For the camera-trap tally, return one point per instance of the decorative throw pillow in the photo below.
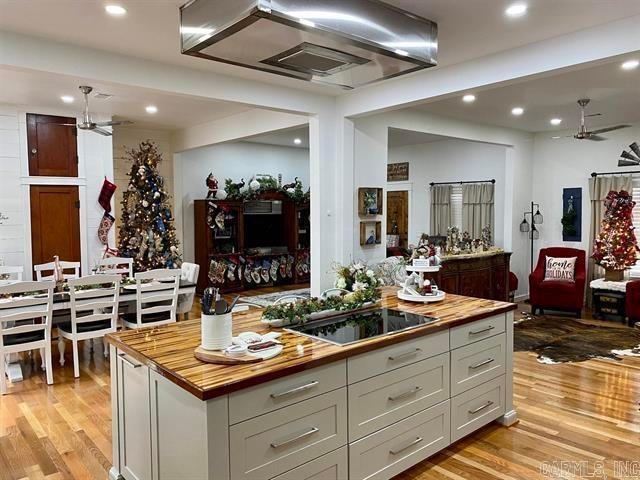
(560, 269)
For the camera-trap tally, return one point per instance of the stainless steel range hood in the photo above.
(347, 43)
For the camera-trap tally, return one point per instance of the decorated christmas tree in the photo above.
(616, 247)
(147, 234)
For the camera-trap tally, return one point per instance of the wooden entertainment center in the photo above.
(265, 241)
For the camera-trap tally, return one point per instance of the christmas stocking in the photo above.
(104, 199)
(105, 225)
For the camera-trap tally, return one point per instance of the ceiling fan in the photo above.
(88, 124)
(594, 135)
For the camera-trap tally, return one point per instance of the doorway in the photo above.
(55, 223)
(398, 219)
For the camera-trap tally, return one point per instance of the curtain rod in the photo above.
(493, 180)
(595, 174)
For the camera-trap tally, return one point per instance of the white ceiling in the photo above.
(468, 29)
(283, 138)
(402, 138)
(174, 111)
(613, 92)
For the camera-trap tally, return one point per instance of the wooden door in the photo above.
(53, 150)
(55, 223)
(398, 212)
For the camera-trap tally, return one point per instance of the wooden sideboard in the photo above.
(481, 275)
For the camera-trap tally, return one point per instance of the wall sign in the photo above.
(3, 218)
(572, 215)
(398, 172)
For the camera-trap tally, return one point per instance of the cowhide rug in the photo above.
(561, 339)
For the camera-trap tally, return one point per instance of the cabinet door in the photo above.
(135, 424)
(53, 148)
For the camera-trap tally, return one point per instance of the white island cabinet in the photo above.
(368, 416)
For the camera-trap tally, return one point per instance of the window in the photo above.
(456, 206)
(635, 271)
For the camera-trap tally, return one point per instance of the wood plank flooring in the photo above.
(585, 413)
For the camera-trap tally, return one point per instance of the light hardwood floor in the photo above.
(585, 413)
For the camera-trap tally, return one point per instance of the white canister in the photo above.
(216, 331)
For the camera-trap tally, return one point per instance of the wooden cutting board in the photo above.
(221, 358)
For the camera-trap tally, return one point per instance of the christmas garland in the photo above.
(239, 191)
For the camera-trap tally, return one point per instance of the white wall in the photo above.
(447, 161)
(232, 160)
(568, 163)
(95, 161)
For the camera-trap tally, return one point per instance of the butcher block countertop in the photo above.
(168, 349)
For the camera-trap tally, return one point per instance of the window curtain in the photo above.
(599, 188)
(477, 208)
(440, 209)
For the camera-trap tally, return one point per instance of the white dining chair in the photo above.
(156, 298)
(190, 272)
(26, 311)
(49, 267)
(120, 265)
(10, 273)
(94, 313)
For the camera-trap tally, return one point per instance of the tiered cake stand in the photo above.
(428, 298)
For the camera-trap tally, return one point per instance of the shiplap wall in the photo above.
(127, 138)
(12, 228)
(95, 155)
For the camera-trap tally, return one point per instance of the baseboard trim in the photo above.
(508, 419)
(522, 297)
(115, 474)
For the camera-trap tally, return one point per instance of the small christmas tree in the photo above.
(616, 247)
(147, 234)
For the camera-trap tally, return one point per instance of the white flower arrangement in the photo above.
(355, 277)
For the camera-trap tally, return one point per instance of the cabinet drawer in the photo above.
(271, 444)
(254, 401)
(389, 358)
(472, 332)
(394, 449)
(477, 363)
(477, 407)
(382, 400)
(332, 466)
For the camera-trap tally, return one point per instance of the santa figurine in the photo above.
(212, 185)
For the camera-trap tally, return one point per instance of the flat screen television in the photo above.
(264, 231)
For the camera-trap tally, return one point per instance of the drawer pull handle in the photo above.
(409, 445)
(299, 389)
(482, 364)
(395, 358)
(295, 438)
(479, 409)
(478, 332)
(134, 365)
(408, 393)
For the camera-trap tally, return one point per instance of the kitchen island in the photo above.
(369, 409)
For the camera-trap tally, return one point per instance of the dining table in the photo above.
(62, 310)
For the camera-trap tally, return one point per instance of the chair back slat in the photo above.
(46, 267)
(157, 290)
(14, 308)
(102, 298)
(118, 265)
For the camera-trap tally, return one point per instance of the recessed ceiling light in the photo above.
(116, 10)
(555, 137)
(402, 53)
(469, 98)
(517, 111)
(555, 121)
(307, 22)
(151, 109)
(297, 141)
(516, 10)
(630, 64)
(67, 98)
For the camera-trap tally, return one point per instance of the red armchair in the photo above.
(633, 302)
(555, 295)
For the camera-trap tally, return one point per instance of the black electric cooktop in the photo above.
(363, 325)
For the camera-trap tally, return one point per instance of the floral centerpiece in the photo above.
(361, 288)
